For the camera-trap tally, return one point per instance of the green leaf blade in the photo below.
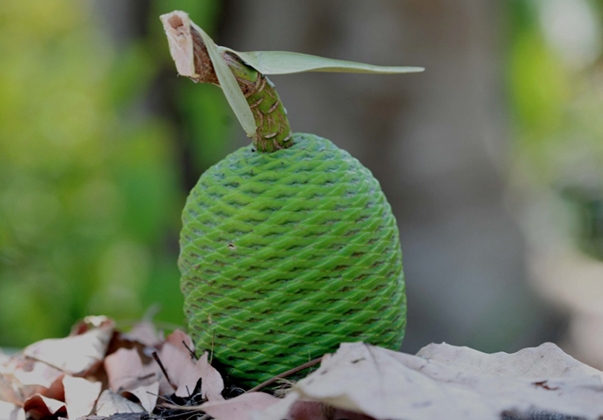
(229, 85)
(284, 62)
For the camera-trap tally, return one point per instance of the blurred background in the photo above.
(492, 159)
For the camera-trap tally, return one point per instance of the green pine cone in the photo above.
(285, 255)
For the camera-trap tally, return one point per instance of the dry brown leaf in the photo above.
(75, 355)
(312, 410)
(127, 373)
(178, 364)
(39, 407)
(21, 377)
(545, 362)
(110, 403)
(146, 394)
(7, 392)
(213, 384)
(449, 382)
(10, 411)
(239, 408)
(144, 333)
(184, 371)
(80, 396)
(180, 340)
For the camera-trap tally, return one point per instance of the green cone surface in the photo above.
(285, 255)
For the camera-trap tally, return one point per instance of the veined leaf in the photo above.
(283, 62)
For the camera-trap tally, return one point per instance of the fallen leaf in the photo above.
(178, 363)
(10, 411)
(239, 408)
(180, 340)
(544, 362)
(213, 384)
(449, 382)
(147, 395)
(144, 333)
(110, 403)
(75, 355)
(6, 390)
(184, 371)
(127, 373)
(80, 396)
(21, 377)
(312, 410)
(39, 407)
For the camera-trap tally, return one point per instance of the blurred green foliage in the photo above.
(556, 80)
(91, 184)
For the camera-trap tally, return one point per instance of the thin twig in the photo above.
(285, 374)
(156, 357)
(191, 351)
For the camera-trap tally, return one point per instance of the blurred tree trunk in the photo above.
(437, 141)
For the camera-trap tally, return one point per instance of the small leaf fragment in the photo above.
(75, 355)
(110, 403)
(178, 32)
(285, 62)
(80, 396)
(38, 406)
(127, 373)
(239, 408)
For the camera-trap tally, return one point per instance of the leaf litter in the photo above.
(100, 372)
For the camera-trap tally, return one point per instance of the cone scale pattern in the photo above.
(285, 255)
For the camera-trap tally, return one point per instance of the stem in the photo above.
(273, 130)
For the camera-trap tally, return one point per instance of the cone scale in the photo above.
(288, 247)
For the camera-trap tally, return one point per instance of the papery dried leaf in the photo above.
(75, 355)
(127, 373)
(178, 364)
(146, 394)
(180, 340)
(91, 322)
(110, 403)
(39, 407)
(10, 411)
(144, 333)
(312, 410)
(213, 384)
(8, 391)
(239, 408)
(545, 362)
(80, 396)
(21, 377)
(184, 371)
(449, 382)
